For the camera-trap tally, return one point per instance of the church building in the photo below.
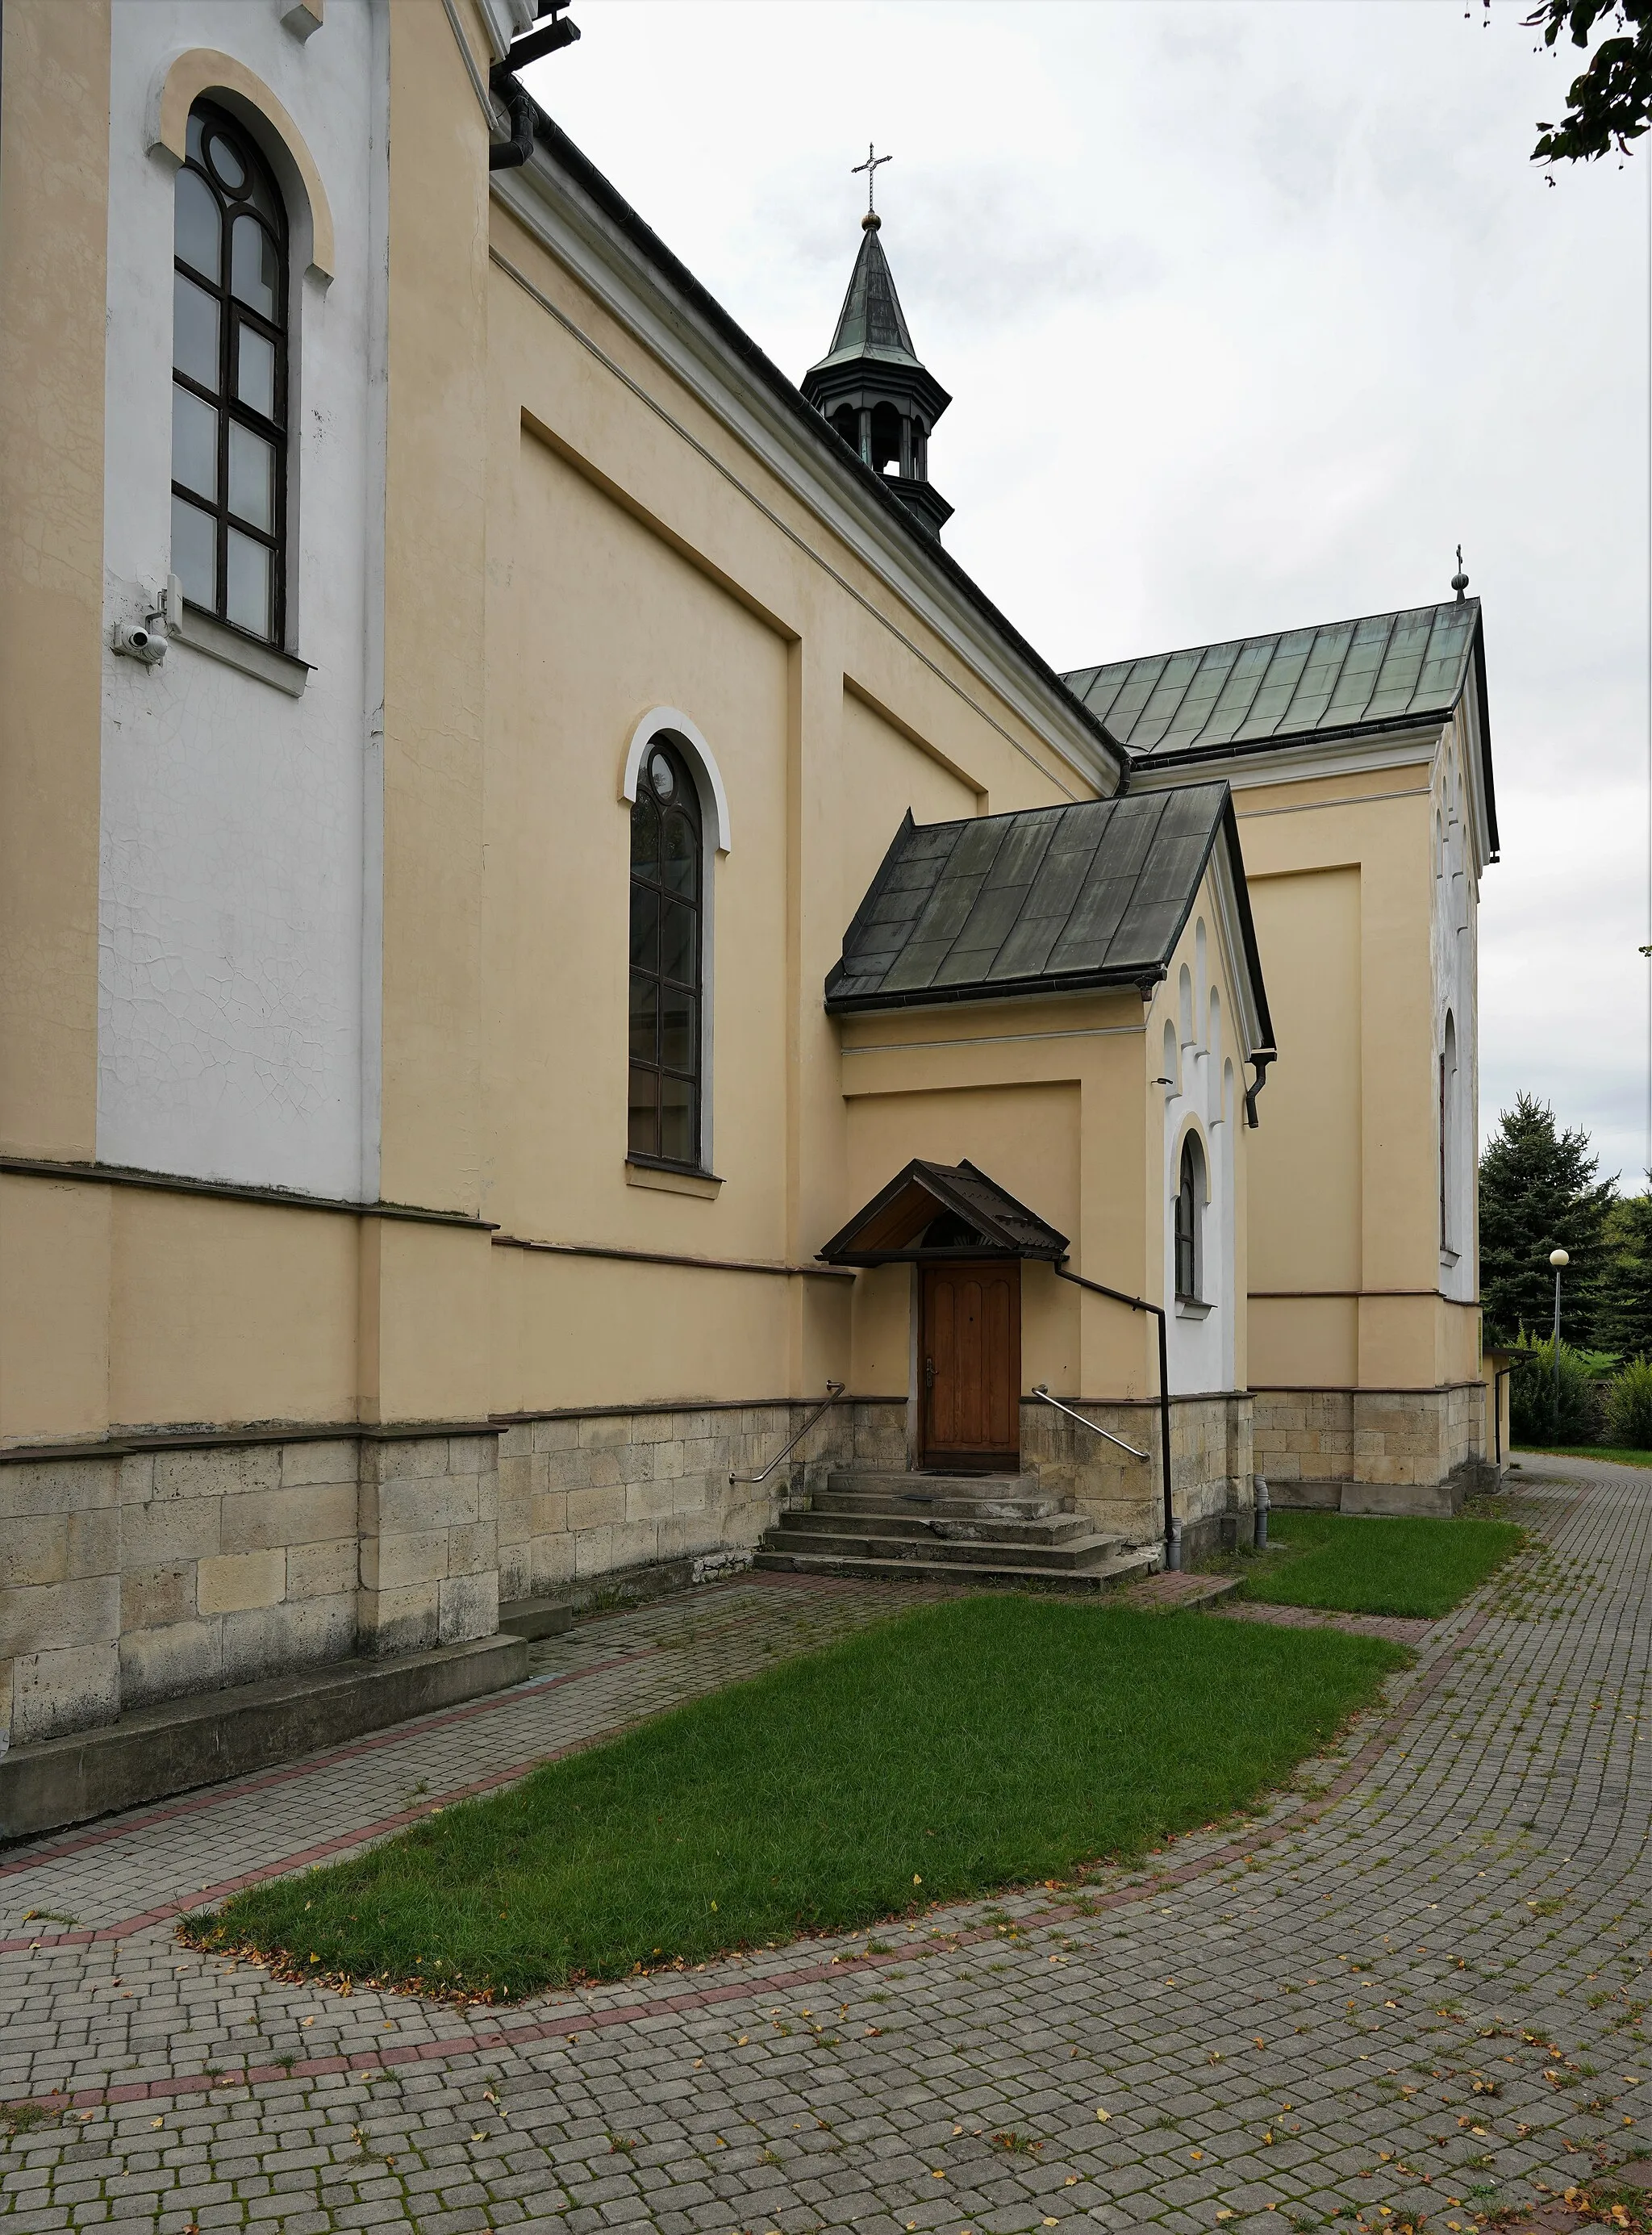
(580, 1008)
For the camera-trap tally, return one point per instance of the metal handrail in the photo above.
(834, 1390)
(1042, 1391)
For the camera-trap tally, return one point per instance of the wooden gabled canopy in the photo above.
(937, 1211)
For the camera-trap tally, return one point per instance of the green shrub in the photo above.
(1629, 1407)
(1534, 1416)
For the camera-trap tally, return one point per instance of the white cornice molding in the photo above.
(1246, 770)
(1475, 768)
(599, 256)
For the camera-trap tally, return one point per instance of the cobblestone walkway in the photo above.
(1463, 1889)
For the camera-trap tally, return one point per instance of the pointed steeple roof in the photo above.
(871, 322)
(874, 389)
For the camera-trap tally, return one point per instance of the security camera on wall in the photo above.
(147, 639)
(138, 641)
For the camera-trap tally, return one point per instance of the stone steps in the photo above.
(795, 1533)
(829, 1516)
(1123, 1566)
(963, 1497)
(976, 1530)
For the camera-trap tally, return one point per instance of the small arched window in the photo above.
(1190, 1203)
(229, 395)
(667, 946)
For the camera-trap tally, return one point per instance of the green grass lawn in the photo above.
(985, 1743)
(1352, 1563)
(1617, 1452)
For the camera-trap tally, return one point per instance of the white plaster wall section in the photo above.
(1455, 976)
(1227, 1145)
(233, 917)
(374, 464)
(1200, 1345)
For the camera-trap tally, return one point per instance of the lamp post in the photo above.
(1558, 1259)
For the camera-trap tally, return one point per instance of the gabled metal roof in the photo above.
(969, 1215)
(1050, 900)
(1386, 670)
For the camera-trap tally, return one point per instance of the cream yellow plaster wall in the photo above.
(1027, 1137)
(582, 1331)
(54, 185)
(1305, 1185)
(604, 620)
(228, 1311)
(638, 557)
(54, 1297)
(435, 559)
(137, 1307)
(883, 773)
(1340, 890)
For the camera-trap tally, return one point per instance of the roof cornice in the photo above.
(574, 214)
(1351, 752)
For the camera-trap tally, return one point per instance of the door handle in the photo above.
(929, 1374)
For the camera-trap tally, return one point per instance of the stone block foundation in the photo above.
(136, 1573)
(1390, 1451)
(1211, 1466)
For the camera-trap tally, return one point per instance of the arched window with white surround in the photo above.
(229, 397)
(1448, 1135)
(664, 1116)
(1189, 1221)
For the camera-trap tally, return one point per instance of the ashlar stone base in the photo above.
(1331, 1447)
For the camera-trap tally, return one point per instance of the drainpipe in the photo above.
(511, 155)
(1172, 1527)
(1259, 1063)
(547, 39)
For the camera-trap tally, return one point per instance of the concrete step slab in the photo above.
(167, 1748)
(867, 1521)
(1008, 1497)
(794, 1535)
(1123, 1569)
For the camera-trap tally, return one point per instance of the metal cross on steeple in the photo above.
(870, 167)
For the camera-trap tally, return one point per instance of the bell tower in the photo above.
(870, 383)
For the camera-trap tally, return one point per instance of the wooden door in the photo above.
(970, 1364)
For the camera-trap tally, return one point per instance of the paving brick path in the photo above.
(1463, 1889)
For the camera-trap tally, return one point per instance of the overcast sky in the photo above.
(1251, 311)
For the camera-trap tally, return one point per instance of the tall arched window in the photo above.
(229, 395)
(667, 944)
(1448, 1129)
(1190, 1203)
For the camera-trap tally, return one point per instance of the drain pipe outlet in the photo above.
(1173, 1549)
(511, 155)
(1260, 1483)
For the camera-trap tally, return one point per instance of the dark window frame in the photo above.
(233, 314)
(651, 1139)
(1187, 1222)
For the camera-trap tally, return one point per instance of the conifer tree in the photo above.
(1623, 1322)
(1538, 1192)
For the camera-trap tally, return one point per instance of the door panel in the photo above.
(971, 1364)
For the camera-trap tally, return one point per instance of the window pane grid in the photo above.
(663, 1096)
(230, 255)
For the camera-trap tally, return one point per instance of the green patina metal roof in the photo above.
(1049, 899)
(872, 323)
(1387, 668)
